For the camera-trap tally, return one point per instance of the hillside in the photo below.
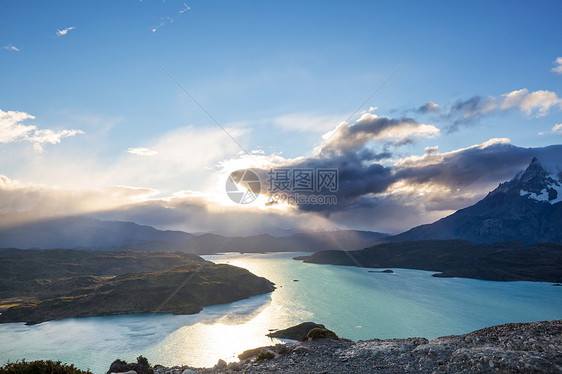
(83, 231)
(457, 258)
(41, 285)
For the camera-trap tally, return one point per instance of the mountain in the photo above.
(309, 241)
(88, 232)
(527, 208)
(70, 232)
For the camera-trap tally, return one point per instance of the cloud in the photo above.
(12, 130)
(475, 167)
(370, 127)
(375, 191)
(185, 8)
(468, 111)
(63, 32)
(540, 101)
(558, 68)
(142, 151)
(11, 127)
(557, 129)
(11, 47)
(186, 210)
(429, 107)
(167, 19)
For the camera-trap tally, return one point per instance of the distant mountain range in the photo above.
(88, 232)
(527, 208)
(70, 232)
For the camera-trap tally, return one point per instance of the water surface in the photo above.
(351, 301)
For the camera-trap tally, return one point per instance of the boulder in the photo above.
(297, 332)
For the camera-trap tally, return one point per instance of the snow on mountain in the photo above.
(537, 183)
(527, 208)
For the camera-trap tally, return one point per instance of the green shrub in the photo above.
(319, 333)
(265, 354)
(40, 367)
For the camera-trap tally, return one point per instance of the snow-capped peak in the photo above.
(538, 184)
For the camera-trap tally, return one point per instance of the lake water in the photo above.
(351, 301)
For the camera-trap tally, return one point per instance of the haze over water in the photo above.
(352, 302)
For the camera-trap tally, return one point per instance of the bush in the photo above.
(265, 354)
(141, 367)
(40, 367)
(319, 333)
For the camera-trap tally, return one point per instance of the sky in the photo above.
(140, 110)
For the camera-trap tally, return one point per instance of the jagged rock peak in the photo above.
(537, 183)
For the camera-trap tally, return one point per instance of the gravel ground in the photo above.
(511, 348)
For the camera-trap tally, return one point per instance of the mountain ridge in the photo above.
(527, 208)
(84, 232)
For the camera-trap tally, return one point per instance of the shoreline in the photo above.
(513, 347)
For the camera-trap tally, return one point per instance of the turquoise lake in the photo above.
(351, 301)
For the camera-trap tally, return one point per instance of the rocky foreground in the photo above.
(511, 348)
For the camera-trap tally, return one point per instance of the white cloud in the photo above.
(185, 8)
(558, 68)
(12, 130)
(142, 151)
(540, 101)
(11, 47)
(11, 127)
(557, 129)
(64, 31)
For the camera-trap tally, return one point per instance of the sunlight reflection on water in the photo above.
(345, 299)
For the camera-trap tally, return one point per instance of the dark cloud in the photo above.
(455, 179)
(370, 127)
(471, 166)
(465, 112)
(429, 107)
(358, 172)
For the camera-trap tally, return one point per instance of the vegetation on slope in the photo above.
(37, 286)
(457, 258)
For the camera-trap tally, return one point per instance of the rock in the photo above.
(479, 351)
(321, 333)
(221, 364)
(140, 367)
(300, 350)
(118, 366)
(246, 355)
(188, 371)
(297, 332)
(235, 366)
(126, 372)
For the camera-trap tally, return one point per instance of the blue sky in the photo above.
(278, 75)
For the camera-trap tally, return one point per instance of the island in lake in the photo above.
(42, 285)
